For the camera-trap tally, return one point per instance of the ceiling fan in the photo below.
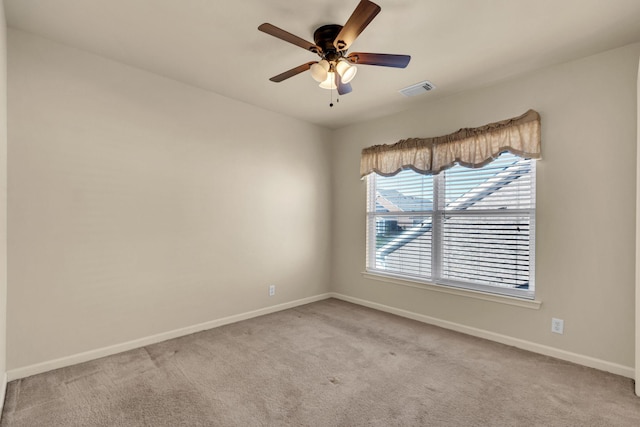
(336, 68)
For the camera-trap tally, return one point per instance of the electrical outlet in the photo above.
(272, 290)
(557, 326)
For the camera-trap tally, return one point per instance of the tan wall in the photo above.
(3, 193)
(139, 205)
(585, 205)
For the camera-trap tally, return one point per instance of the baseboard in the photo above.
(580, 359)
(74, 359)
(3, 392)
(62, 362)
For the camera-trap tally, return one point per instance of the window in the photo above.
(468, 228)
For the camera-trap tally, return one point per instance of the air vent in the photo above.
(418, 88)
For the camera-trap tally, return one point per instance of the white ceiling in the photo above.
(215, 44)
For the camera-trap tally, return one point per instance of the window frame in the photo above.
(437, 214)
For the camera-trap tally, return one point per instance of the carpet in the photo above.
(328, 363)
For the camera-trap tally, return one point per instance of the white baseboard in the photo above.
(603, 365)
(74, 359)
(3, 391)
(62, 362)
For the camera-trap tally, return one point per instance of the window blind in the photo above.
(471, 228)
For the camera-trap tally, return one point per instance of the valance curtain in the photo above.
(470, 147)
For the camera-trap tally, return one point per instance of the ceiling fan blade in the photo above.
(292, 72)
(381, 59)
(343, 88)
(357, 22)
(288, 37)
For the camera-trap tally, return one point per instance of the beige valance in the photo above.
(470, 147)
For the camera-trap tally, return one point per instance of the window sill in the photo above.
(500, 299)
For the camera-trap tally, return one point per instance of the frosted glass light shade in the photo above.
(330, 82)
(319, 70)
(347, 71)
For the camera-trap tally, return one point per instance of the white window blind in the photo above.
(470, 228)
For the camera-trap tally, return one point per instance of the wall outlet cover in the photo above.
(557, 326)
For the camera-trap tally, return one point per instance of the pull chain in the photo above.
(331, 97)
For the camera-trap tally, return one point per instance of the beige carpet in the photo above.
(324, 364)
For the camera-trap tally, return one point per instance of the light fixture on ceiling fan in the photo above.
(324, 72)
(336, 68)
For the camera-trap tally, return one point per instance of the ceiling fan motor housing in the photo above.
(324, 37)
